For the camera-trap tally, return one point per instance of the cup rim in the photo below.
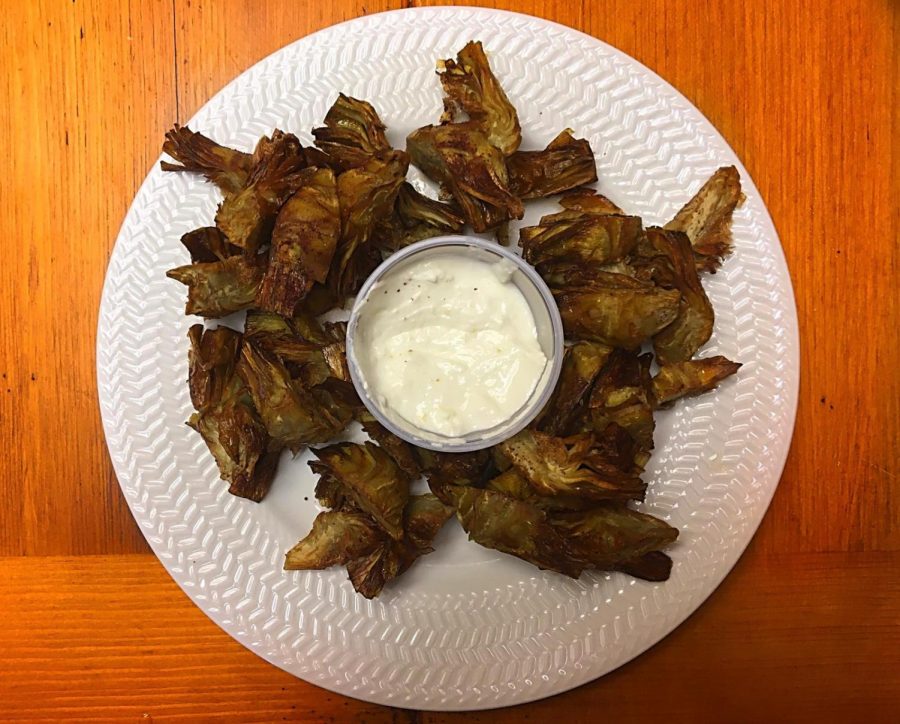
(441, 443)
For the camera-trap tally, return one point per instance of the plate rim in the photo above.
(791, 327)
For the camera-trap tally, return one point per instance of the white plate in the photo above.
(466, 627)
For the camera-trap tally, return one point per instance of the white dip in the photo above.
(449, 344)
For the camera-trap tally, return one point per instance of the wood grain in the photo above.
(806, 628)
(119, 641)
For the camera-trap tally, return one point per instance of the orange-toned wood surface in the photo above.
(807, 627)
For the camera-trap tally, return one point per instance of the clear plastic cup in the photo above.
(549, 334)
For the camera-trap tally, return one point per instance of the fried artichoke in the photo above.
(304, 237)
(208, 244)
(337, 537)
(244, 453)
(353, 133)
(616, 312)
(366, 195)
(673, 268)
(581, 365)
(292, 414)
(225, 167)
(218, 288)
(423, 518)
(461, 158)
(512, 526)
(706, 218)
(211, 361)
(554, 466)
(246, 216)
(370, 478)
(566, 163)
(580, 238)
(622, 395)
(682, 379)
(472, 90)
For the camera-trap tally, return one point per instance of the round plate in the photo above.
(466, 627)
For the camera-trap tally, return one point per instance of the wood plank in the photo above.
(85, 96)
(215, 42)
(786, 638)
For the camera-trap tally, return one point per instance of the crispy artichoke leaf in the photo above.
(369, 573)
(211, 359)
(304, 238)
(706, 218)
(553, 466)
(565, 164)
(225, 167)
(353, 133)
(512, 526)
(580, 238)
(682, 379)
(329, 491)
(589, 202)
(446, 470)
(693, 325)
(237, 439)
(274, 334)
(371, 479)
(471, 89)
(460, 157)
(293, 416)
(608, 536)
(414, 209)
(366, 195)
(515, 485)
(581, 365)
(337, 537)
(254, 487)
(247, 216)
(617, 316)
(622, 395)
(400, 450)
(208, 244)
(218, 288)
(566, 276)
(423, 518)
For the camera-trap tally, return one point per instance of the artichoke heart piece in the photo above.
(400, 450)
(337, 537)
(580, 238)
(512, 526)
(683, 379)
(472, 90)
(366, 195)
(610, 536)
(460, 157)
(371, 478)
(674, 268)
(226, 167)
(706, 218)
(208, 244)
(565, 164)
(423, 518)
(581, 365)
(219, 288)
(293, 416)
(236, 437)
(622, 395)
(555, 466)
(353, 133)
(624, 315)
(246, 216)
(304, 238)
(211, 360)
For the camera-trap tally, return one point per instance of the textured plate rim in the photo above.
(789, 410)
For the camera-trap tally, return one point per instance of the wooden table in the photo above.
(807, 627)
